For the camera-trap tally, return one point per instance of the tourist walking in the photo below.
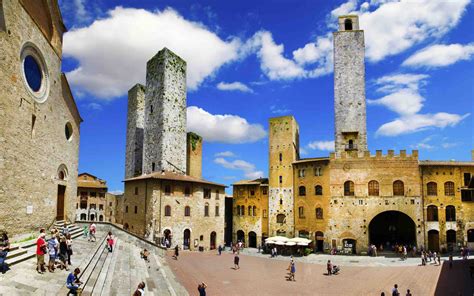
(92, 229)
(85, 231)
(219, 249)
(145, 253)
(63, 253)
(53, 245)
(292, 271)
(69, 248)
(202, 289)
(439, 258)
(176, 252)
(73, 282)
(236, 261)
(435, 256)
(405, 253)
(450, 261)
(408, 293)
(329, 267)
(395, 290)
(4, 248)
(140, 290)
(110, 241)
(41, 250)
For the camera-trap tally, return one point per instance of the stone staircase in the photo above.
(27, 250)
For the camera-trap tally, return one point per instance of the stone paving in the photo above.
(260, 275)
(119, 276)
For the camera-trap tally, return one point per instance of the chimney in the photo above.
(194, 155)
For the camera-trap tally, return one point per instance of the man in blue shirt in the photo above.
(73, 282)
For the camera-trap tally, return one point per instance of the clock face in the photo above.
(346, 167)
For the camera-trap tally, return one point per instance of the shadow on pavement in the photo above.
(456, 280)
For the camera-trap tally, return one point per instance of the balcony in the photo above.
(350, 147)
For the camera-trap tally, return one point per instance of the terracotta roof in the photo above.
(260, 181)
(310, 159)
(90, 184)
(172, 176)
(447, 163)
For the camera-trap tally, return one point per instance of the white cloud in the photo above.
(440, 55)
(449, 145)
(81, 13)
(279, 110)
(223, 128)
(344, 9)
(247, 167)
(112, 52)
(94, 106)
(394, 27)
(419, 122)
(116, 192)
(225, 154)
(234, 86)
(404, 98)
(322, 145)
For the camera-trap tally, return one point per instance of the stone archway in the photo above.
(252, 239)
(186, 239)
(213, 240)
(240, 236)
(392, 227)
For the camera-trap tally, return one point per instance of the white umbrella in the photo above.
(290, 243)
(280, 243)
(278, 238)
(302, 244)
(268, 242)
(300, 240)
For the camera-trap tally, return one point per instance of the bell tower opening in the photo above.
(348, 25)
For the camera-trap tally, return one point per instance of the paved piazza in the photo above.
(260, 275)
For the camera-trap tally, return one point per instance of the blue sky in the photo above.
(252, 60)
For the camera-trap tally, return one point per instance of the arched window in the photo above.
(167, 211)
(449, 188)
(280, 179)
(83, 217)
(254, 211)
(167, 189)
(319, 213)
(301, 212)
(281, 157)
(450, 213)
(187, 211)
(432, 189)
(206, 210)
(280, 218)
(250, 210)
(318, 190)
(470, 236)
(432, 213)
(373, 188)
(242, 210)
(347, 25)
(302, 191)
(398, 188)
(351, 144)
(348, 188)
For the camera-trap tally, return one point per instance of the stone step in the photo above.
(15, 253)
(104, 274)
(94, 284)
(20, 258)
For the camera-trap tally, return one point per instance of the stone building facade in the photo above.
(39, 120)
(250, 211)
(165, 197)
(114, 208)
(91, 203)
(353, 198)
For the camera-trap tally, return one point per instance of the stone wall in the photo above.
(284, 141)
(135, 131)
(165, 114)
(33, 144)
(194, 155)
(349, 89)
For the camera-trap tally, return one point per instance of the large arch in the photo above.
(240, 236)
(252, 239)
(392, 227)
(213, 240)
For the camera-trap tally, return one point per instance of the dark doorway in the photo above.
(101, 218)
(319, 241)
(348, 25)
(186, 239)
(390, 228)
(167, 238)
(60, 202)
(451, 239)
(240, 236)
(433, 240)
(213, 240)
(92, 218)
(252, 239)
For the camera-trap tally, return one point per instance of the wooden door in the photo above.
(60, 202)
(433, 240)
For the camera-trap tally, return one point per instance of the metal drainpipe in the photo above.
(161, 187)
(423, 208)
(146, 195)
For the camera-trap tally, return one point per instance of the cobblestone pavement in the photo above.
(260, 275)
(121, 276)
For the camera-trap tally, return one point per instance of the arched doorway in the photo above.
(240, 236)
(319, 241)
(252, 239)
(92, 217)
(101, 218)
(213, 240)
(451, 239)
(125, 226)
(167, 238)
(390, 228)
(60, 202)
(83, 217)
(186, 239)
(433, 240)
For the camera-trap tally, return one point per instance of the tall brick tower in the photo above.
(284, 149)
(349, 86)
(135, 126)
(194, 155)
(165, 114)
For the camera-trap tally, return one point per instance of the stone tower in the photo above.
(194, 155)
(165, 114)
(349, 86)
(135, 126)
(284, 149)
